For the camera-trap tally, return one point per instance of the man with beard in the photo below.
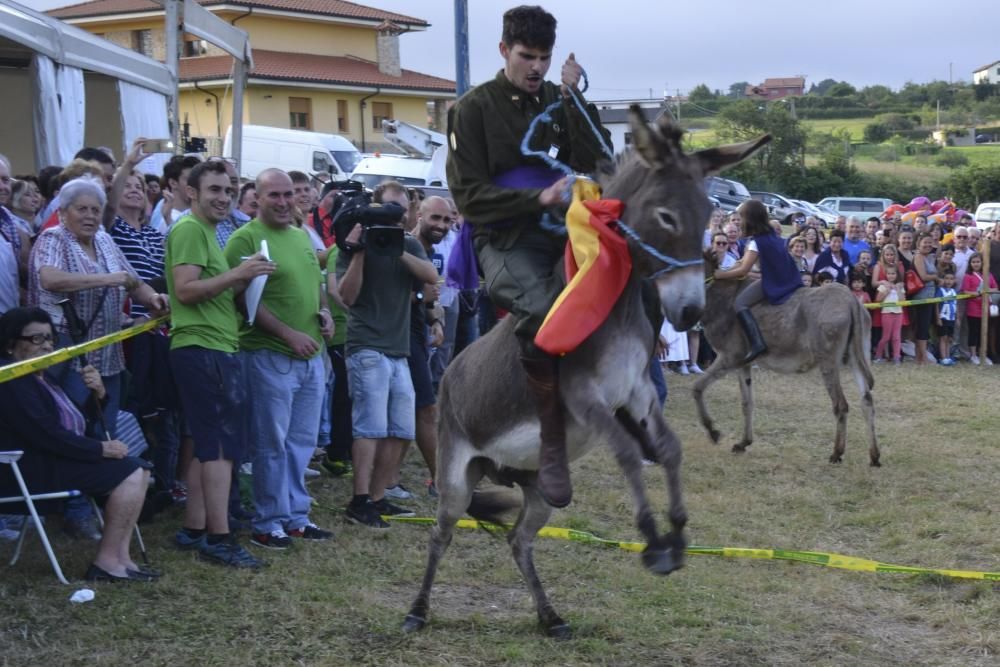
(505, 194)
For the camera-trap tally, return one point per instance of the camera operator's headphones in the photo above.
(358, 210)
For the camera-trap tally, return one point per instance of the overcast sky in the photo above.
(632, 47)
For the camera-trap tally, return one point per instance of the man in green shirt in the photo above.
(284, 368)
(504, 194)
(203, 345)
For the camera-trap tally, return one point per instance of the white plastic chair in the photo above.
(11, 458)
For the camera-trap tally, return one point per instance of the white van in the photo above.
(987, 215)
(293, 150)
(861, 207)
(409, 171)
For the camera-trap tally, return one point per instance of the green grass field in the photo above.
(934, 503)
(856, 126)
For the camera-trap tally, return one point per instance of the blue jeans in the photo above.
(384, 403)
(286, 398)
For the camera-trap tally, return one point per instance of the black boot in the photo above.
(752, 332)
(553, 465)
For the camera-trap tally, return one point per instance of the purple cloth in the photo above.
(530, 176)
(462, 271)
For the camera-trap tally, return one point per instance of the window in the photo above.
(142, 42)
(342, 125)
(321, 161)
(628, 138)
(300, 113)
(380, 111)
(195, 47)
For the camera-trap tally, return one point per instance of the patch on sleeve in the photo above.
(453, 140)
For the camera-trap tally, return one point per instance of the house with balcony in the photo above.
(322, 65)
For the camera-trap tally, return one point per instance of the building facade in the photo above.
(322, 65)
(987, 74)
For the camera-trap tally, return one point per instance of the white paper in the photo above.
(81, 596)
(256, 288)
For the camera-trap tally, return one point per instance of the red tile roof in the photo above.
(784, 82)
(338, 8)
(280, 66)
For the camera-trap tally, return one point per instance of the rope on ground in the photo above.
(833, 560)
(29, 366)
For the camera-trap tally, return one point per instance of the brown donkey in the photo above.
(819, 327)
(488, 426)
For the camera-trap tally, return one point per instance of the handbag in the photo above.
(913, 282)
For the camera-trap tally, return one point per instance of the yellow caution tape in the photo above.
(813, 557)
(920, 302)
(35, 364)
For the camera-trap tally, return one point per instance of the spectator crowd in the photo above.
(286, 353)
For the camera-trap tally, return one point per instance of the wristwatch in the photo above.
(418, 296)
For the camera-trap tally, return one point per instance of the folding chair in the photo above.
(11, 458)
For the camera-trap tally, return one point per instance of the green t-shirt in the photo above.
(213, 324)
(291, 292)
(339, 314)
(380, 317)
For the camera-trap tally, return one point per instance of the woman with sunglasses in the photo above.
(37, 417)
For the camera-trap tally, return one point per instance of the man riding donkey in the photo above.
(505, 194)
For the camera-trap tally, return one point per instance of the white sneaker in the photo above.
(974, 359)
(398, 492)
(987, 361)
(682, 368)
(696, 369)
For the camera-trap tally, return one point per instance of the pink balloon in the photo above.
(939, 204)
(918, 204)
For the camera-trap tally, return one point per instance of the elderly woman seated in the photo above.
(36, 416)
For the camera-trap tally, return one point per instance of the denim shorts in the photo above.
(382, 396)
(212, 394)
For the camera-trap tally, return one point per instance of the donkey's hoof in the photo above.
(740, 447)
(836, 458)
(876, 463)
(413, 623)
(560, 631)
(661, 561)
(714, 435)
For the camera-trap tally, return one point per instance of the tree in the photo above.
(876, 133)
(780, 161)
(700, 93)
(973, 185)
(821, 87)
(738, 90)
(840, 89)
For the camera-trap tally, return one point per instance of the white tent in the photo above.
(66, 88)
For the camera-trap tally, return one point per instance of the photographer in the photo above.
(375, 276)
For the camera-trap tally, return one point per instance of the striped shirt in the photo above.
(143, 248)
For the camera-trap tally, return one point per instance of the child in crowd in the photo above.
(946, 317)
(945, 263)
(823, 277)
(858, 282)
(807, 278)
(972, 284)
(890, 291)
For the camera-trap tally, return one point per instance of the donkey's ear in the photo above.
(643, 139)
(714, 160)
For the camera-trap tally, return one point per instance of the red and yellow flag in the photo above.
(598, 266)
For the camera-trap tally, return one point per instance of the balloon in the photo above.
(918, 204)
(892, 210)
(937, 217)
(961, 212)
(939, 204)
(909, 216)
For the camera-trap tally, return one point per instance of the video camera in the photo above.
(381, 231)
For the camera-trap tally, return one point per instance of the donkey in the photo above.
(488, 426)
(820, 327)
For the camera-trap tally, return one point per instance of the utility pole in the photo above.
(173, 11)
(678, 106)
(461, 47)
(938, 115)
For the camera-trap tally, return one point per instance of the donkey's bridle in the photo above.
(671, 263)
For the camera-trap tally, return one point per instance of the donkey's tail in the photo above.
(860, 341)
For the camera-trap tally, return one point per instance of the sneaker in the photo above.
(948, 361)
(309, 473)
(230, 553)
(696, 369)
(398, 492)
(276, 539)
(682, 368)
(432, 489)
(987, 361)
(974, 359)
(184, 541)
(897, 362)
(311, 531)
(878, 361)
(337, 468)
(385, 508)
(365, 515)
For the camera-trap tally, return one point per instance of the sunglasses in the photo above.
(37, 339)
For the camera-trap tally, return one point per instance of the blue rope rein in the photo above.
(559, 227)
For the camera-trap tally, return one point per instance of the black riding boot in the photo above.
(553, 466)
(752, 332)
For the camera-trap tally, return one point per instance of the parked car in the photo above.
(293, 150)
(862, 207)
(987, 215)
(407, 170)
(778, 206)
(827, 216)
(729, 193)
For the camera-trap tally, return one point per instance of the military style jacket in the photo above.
(485, 130)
